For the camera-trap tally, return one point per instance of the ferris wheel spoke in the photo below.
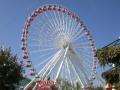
(45, 68)
(72, 28)
(69, 73)
(56, 24)
(62, 26)
(44, 55)
(86, 54)
(38, 44)
(85, 57)
(88, 64)
(66, 24)
(64, 57)
(72, 72)
(53, 22)
(54, 14)
(59, 27)
(59, 19)
(38, 39)
(33, 80)
(48, 70)
(80, 78)
(69, 26)
(49, 50)
(49, 27)
(82, 44)
(49, 22)
(63, 21)
(82, 67)
(42, 62)
(86, 50)
(84, 75)
(78, 63)
(83, 47)
(43, 50)
(49, 63)
(33, 36)
(53, 66)
(32, 39)
(76, 30)
(86, 72)
(81, 73)
(55, 60)
(45, 60)
(81, 81)
(80, 36)
(38, 25)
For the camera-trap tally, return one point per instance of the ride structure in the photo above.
(57, 44)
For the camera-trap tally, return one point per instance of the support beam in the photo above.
(53, 65)
(76, 74)
(66, 50)
(69, 70)
(34, 79)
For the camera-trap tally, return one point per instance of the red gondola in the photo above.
(25, 56)
(28, 65)
(32, 73)
(23, 48)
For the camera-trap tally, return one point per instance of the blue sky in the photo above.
(102, 17)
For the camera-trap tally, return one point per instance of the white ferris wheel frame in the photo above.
(69, 13)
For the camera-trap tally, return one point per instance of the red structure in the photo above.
(44, 85)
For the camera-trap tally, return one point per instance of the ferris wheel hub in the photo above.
(63, 43)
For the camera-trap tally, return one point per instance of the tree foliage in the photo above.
(111, 76)
(10, 70)
(109, 55)
(65, 85)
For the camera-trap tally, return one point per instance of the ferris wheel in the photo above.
(57, 44)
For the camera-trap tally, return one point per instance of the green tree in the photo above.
(65, 85)
(10, 70)
(78, 87)
(110, 56)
